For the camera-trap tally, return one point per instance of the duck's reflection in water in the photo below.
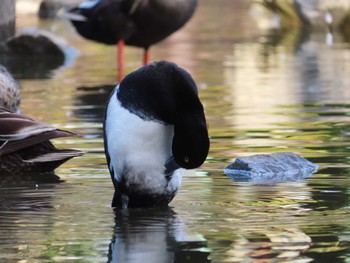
(154, 235)
(21, 194)
(90, 102)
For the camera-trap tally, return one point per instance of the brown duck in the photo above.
(25, 145)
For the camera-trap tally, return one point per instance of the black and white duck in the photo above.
(154, 127)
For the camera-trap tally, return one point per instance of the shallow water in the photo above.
(262, 94)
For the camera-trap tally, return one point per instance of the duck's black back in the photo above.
(165, 93)
(106, 22)
(158, 19)
(140, 23)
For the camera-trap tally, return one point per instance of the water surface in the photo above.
(262, 93)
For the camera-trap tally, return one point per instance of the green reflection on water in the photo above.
(281, 91)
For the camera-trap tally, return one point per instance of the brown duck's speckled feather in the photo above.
(25, 145)
(9, 90)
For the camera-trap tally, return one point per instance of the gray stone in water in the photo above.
(275, 167)
(32, 54)
(34, 43)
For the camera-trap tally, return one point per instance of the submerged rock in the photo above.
(32, 54)
(33, 45)
(274, 167)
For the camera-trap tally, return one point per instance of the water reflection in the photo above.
(29, 179)
(154, 235)
(90, 102)
(330, 195)
(31, 67)
(284, 244)
(262, 93)
(269, 178)
(18, 192)
(21, 201)
(299, 71)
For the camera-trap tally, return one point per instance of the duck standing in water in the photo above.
(154, 126)
(139, 23)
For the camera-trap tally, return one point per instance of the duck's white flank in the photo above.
(139, 149)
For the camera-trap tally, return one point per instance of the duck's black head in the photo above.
(169, 95)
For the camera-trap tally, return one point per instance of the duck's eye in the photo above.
(186, 159)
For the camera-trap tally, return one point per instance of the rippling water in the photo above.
(262, 94)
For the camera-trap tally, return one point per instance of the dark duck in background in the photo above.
(154, 127)
(139, 23)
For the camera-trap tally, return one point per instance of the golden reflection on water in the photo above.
(262, 93)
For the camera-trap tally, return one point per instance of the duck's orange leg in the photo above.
(120, 58)
(146, 57)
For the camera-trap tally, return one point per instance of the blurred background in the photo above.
(273, 76)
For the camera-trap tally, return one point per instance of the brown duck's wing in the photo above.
(40, 158)
(15, 126)
(9, 146)
(59, 155)
(18, 132)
